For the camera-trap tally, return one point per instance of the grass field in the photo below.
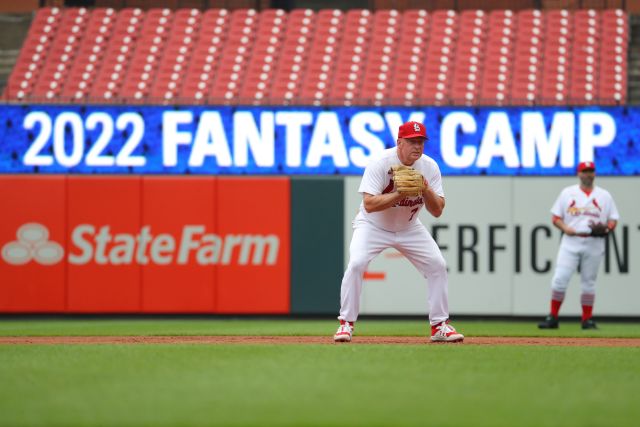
(314, 385)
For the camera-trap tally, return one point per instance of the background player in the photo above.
(389, 219)
(585, 214)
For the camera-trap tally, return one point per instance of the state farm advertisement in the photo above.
(144, 245)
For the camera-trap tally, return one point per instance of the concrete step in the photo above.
(14, 29)
(7, 61)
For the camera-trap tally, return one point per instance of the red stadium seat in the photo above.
(470, 52)
(261, 69)
(61, 53)
(320, 64)
(499, 56)
(289, 71)
(235, 56)
(379, 70)
(119, 51)
(410, 54)
(90, 55)
(438, 63)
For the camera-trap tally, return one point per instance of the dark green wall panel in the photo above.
(317, 242)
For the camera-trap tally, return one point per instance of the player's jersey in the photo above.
(578, 210)
(378, 179)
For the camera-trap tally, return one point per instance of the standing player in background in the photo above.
(395, 187)
(585, 214)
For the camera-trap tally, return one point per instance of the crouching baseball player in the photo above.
(395, 186)
(585, 214)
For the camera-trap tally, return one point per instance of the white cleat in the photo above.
(345, 331)
(444, 332)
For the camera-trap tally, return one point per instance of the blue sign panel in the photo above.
(312, 140)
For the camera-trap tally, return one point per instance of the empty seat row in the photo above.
(326, 57)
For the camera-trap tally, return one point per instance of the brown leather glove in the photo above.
(599, 229)
(409, 182)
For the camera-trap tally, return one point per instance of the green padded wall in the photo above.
(317, 242)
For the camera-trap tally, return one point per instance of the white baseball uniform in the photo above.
(396, 227)
(577, 209)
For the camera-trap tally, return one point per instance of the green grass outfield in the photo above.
(314, 385)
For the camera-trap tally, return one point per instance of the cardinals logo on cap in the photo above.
(412, 130)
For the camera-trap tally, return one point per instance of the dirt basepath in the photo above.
(548, 341)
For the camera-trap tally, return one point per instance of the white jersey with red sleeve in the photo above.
(378, 179)
(578, 209)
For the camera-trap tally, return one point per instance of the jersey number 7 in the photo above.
(413, 212)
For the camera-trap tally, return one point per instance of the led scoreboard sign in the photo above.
(311, 140)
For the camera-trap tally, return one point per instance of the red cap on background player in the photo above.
(412, 130)
(586, 166)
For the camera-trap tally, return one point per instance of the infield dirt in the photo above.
(544, 341)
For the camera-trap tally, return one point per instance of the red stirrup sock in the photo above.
(556, 302)
(587, 301)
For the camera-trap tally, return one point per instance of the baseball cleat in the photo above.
(589, 324)
(549, 322)
(444, 332)
(345, 331)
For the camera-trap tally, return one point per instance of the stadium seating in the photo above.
(527, 72)
(497, 74)
(287, 80)
(323, 53)
(205, 57)
(410, 52)
(325, 57)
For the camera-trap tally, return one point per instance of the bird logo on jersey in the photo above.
(593, 209)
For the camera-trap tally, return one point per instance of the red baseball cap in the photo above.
(412, 130)
(586, 165)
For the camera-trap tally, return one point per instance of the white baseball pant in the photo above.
(586, 252)
(414, 243)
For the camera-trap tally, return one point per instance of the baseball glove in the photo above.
(599, 229)
(409, 182)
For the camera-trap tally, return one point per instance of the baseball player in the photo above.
(395, 186)
(585, 214)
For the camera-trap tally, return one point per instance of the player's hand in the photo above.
(570, 231)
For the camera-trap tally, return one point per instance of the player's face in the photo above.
(410, 149)
(586, 177)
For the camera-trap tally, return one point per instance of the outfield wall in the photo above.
(145, 244)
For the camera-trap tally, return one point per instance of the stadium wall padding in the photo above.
(278, 245)
(152, 244)
(316, 244)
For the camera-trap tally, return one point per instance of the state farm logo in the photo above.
(32, 244)
(99, 245)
